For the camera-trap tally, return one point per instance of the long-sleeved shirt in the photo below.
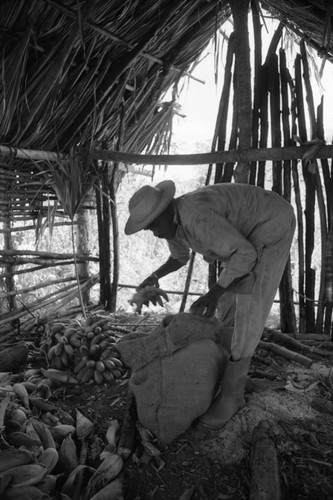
(230, 223)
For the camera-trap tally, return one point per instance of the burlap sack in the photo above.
(175, 371)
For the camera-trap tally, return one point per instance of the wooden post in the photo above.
(239, 9)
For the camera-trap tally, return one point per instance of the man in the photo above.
(248, 229)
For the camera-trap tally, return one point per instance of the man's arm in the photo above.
(170, 266)
(206, 304)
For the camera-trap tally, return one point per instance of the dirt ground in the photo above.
(216, 465)
(281, 397)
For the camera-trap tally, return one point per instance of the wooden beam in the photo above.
(264, 154)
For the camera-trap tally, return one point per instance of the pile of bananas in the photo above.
(87, 348)
(43, 449)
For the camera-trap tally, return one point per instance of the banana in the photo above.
(70, 330)
(91, 363)
(51, 353)
(85, 375)
(21, 391)
(104, 474)
(60, 431)
(59, 348)
(106, 354)
(69, 350)
(117, 373)
(11, 458)
(109, 364)
(75, 340)
(49, 458)
(67, 454)
(64, 416)
(94, 350)
(32, 372)
(100, 366)
(58, 336)
(98, 377)
(84, 350)
(49, 419)
(44, 434)
(65, 359)
(43, 390)
(57, 327)
(81, 364)
(30, 386)
(65, 377)
(84, 425)
(117, 361)
(108, 377)
(96, 339)
(18, 439)
(88, 322)
(31, 432)
(57, 363)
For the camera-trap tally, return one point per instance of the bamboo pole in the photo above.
(113, 186)
(46, 255)
(287, 308)
(38, 268)
(256, 85)
(220, 131)
(233, 155)
(239, 9)
(36, 287)
(309, 180)
(32, 228)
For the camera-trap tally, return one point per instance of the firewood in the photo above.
(293, 343)
(282, 351)
(265, 483)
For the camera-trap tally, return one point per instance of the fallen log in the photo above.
(265, 482)
(292, 342)
(286, 353)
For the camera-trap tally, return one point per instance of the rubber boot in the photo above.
(231, 397)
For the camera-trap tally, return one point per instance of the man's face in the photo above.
(163, 226)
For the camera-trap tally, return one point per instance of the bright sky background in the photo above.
(200, 102)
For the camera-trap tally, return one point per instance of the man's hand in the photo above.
(152, 280)
(206, 304)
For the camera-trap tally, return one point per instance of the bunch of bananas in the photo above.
(87, 348)
(147, 294)
(36, 452)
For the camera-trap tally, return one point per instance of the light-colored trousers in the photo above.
(247, 313)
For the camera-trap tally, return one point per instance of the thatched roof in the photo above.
(71, 69)
(94, 73)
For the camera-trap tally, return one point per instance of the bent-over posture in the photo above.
(248, 229)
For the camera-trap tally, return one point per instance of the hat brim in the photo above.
(168, 190)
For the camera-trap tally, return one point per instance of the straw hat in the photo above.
(147, 204)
